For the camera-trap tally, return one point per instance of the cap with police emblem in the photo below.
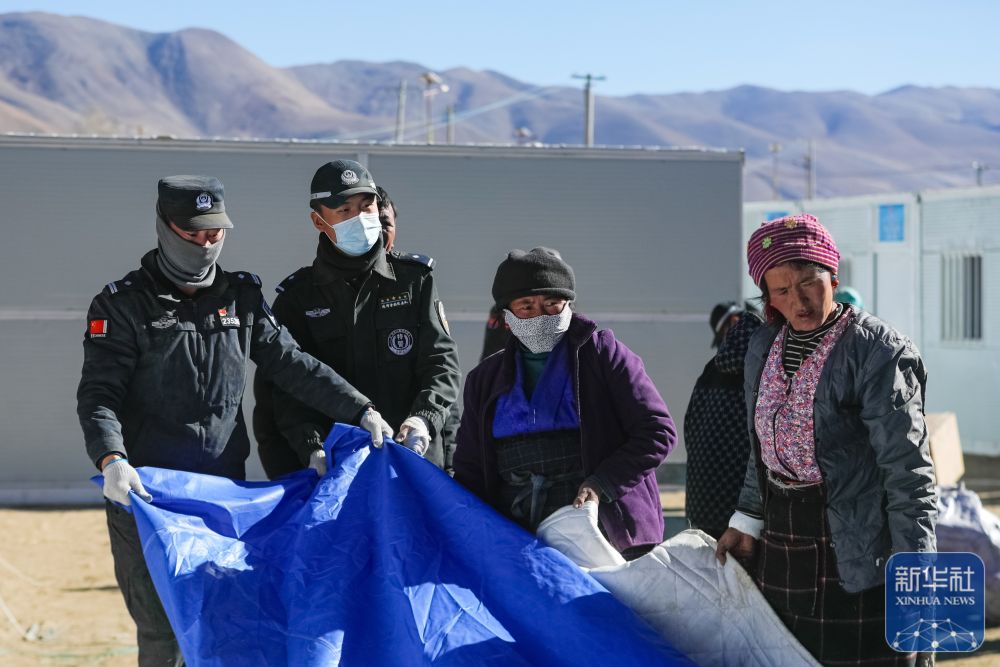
(334, 182)
(193, 203)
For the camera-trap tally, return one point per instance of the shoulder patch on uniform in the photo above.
(131, 281)
(245, 277)
(415, 258)
(441, 316)
(97, 329)
(291, 280)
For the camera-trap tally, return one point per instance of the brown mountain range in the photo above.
(75, 75)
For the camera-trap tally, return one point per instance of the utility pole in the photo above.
(401, 112)
(588, 106)
(775, 148)
(451, 124)
(810, 164)
(980, 168)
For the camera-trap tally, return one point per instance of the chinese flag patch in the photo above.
(222, 312)
(98, 328)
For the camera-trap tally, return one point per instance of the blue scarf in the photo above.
(552, 406)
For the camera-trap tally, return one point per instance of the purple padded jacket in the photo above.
(626, 431)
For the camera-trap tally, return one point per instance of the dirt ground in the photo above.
(57, 588)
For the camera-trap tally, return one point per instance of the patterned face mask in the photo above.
(540, 333)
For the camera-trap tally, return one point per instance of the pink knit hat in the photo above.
(793, 237)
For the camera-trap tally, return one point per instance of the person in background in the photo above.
(374, 317)
(715, 433)
(165, 359)
(387, 213)
(840, 474)
(497, 332)
(564, 414)
(850, 296)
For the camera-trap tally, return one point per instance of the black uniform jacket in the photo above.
(164, 374)
(384, 331)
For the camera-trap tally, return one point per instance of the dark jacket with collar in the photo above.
(871, 447)
(625, 431)
(384, 331)
(163, 374)
(715, 432)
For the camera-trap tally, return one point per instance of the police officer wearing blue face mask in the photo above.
(374, 317)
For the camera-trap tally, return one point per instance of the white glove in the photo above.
(317, 461)
(415, 434)
(372, 422)
(120, 478)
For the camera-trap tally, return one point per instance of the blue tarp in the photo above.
(384, 561)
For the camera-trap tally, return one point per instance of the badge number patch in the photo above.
(400, 341)
(98, 329)
(395, 301)
(227, 319)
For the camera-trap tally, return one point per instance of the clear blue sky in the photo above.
(645, 46)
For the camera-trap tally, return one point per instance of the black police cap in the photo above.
(193, 203)
(335, 181)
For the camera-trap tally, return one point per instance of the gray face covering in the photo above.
(184, 263)
(541, 333)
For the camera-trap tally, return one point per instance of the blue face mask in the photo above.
(357, 235)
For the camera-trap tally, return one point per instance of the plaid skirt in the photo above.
(797, 573)
(540, 473)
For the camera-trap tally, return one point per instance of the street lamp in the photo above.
(433, 85)
(523, 135)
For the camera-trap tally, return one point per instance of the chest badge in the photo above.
(400, 341)
(394, 301)
(318, 312)
(164, 322)
(228, 320)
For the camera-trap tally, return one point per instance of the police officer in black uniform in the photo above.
(165, 365)
(374, 317)
(388, 214)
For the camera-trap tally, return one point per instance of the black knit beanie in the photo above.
(538, 271)
(718, 319)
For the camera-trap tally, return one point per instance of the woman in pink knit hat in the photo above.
(840, 474)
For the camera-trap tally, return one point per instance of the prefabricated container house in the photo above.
(929, 263)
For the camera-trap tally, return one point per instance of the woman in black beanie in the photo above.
(563, 414)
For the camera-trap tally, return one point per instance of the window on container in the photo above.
(962, 297)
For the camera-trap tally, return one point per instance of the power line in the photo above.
(523, 96)
(763, 169)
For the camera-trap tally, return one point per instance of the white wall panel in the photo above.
(651, 234)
